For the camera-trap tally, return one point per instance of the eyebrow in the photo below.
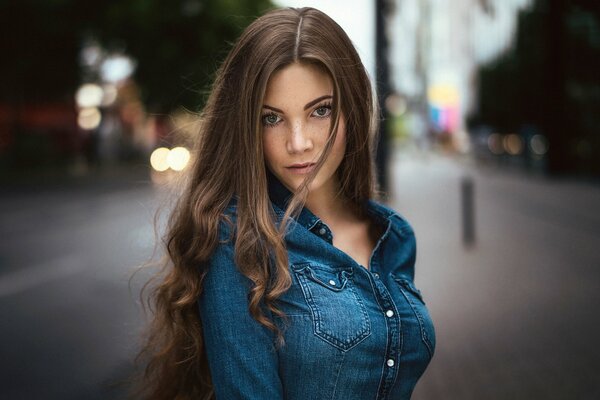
(307, 106)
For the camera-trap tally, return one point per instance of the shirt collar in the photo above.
(280, 197)
(379, 211)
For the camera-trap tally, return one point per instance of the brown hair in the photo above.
(176, 366)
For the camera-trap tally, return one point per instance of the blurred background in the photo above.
(490, 147)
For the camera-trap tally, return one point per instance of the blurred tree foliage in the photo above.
(176, 44)
(550, 78)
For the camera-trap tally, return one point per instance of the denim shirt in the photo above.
(351, 333)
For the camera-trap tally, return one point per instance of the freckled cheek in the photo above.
(319, 130)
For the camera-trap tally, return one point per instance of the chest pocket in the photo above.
(338, 313)
(413, 297)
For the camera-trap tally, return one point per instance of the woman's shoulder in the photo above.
(398, 222)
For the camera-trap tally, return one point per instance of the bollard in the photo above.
(468, 211)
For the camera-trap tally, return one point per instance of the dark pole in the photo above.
(555, 78)
(382, 9)
(467, 197)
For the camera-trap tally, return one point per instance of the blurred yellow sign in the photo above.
(443, 95)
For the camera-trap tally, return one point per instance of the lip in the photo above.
(301, 168)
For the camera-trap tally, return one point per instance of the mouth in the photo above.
(301, 168)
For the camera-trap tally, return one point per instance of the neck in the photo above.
(328, 204)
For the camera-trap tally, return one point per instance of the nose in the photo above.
(299, 140)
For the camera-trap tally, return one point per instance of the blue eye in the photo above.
(271, 119)
(322, 111)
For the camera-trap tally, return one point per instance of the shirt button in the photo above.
(376, 275)
(332, 282)
(390, 314)
(390, 363)
(322, 231)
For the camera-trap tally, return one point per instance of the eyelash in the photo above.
(324, 105)
(272, 124)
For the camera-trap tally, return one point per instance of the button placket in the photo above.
(393, 348)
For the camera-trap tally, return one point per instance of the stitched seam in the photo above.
(421, 324)
(337, 377)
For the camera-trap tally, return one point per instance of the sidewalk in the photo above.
(515, 315)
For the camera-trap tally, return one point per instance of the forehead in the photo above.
(297, 84)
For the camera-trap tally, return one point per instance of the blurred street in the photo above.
(70, 323)
(515, 314)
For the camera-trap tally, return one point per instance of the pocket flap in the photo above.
(335, 280)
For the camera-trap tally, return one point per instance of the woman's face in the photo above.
(296, 117)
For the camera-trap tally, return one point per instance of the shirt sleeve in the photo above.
(241, 352)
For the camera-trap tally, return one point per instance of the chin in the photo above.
(294, 183)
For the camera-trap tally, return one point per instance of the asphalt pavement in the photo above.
(68, 303)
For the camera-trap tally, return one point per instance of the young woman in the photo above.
(286, 279)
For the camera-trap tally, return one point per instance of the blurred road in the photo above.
(69, 321)
(516, 314)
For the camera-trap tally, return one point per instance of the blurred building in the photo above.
(548, 84)
(437, 47)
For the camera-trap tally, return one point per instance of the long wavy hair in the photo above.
(229, 162)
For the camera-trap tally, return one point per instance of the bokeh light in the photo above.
(395, 104)
(538, 145)
(117, 68)
(110, 95)
(513, 144)
(178, 158)
(89, 118)
(495, 143)
(89, 95)
(158, 159)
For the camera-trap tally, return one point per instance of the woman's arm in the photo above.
(241, 353)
